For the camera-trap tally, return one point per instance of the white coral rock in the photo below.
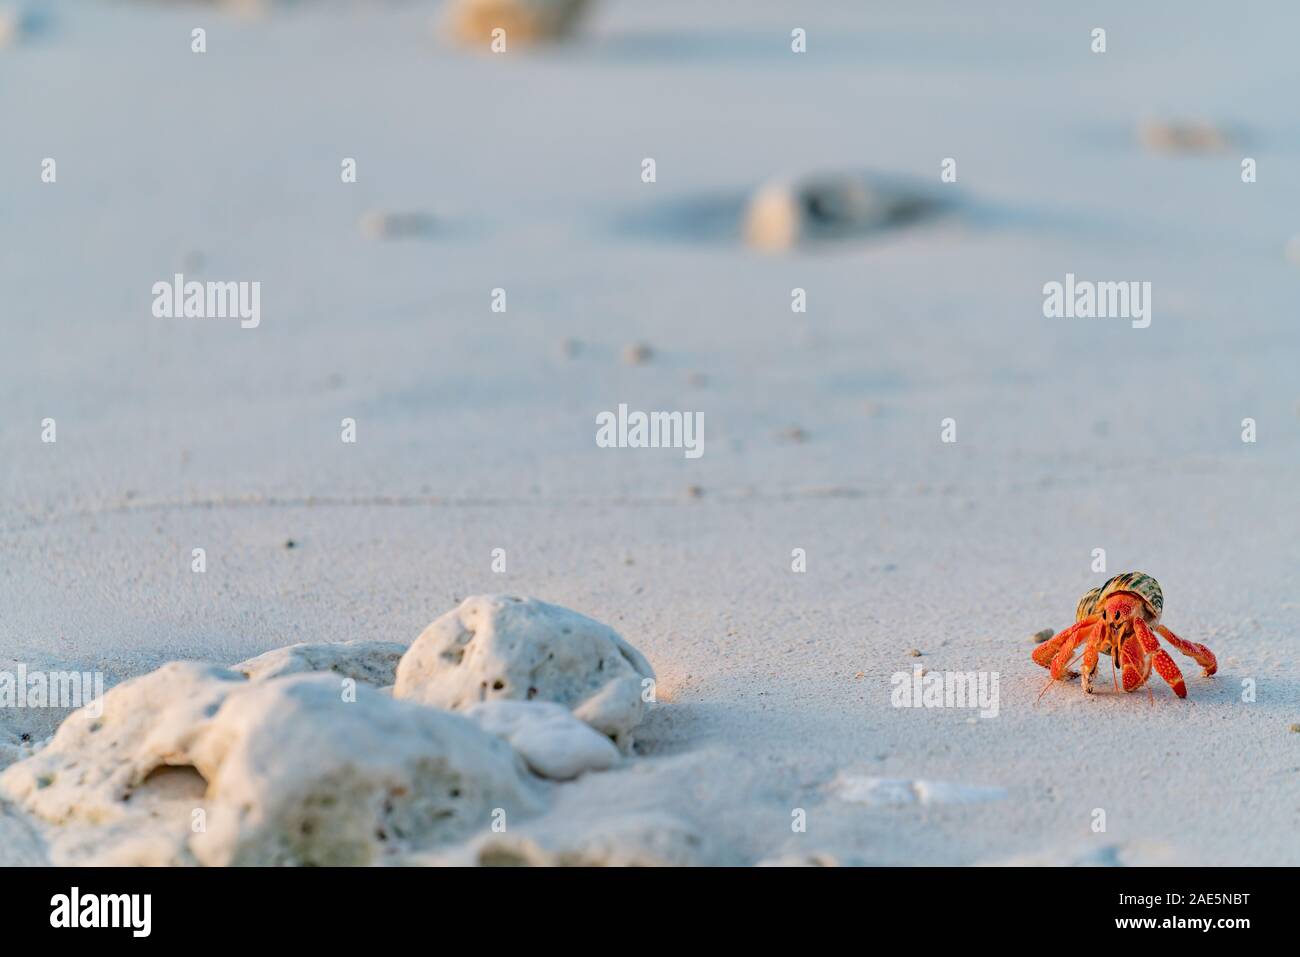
(892, 792)
(297, 776)
(284, 771)
(550, 739)
(371, 662)
(90, 769)
(495, 647)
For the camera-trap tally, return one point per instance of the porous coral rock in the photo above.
(373, 662)
(284, 771)
(95, 761)
(296, 776)
(553, 742)
(500, 647)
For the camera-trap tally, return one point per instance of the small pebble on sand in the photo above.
(792, 433)
(1042, 636)
(471, 22)
(1183, 136)
(1295, 729)
(1293, 250)
(378, 224)
(12, 26)
(569, 348)
(637, 354)
(915, 652)
(290, 543)
(783, 214)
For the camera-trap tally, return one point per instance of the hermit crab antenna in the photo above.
(1052, 681)
(1046, 688)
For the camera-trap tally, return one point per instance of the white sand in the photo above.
(475, 432)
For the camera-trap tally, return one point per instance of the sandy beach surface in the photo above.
(822, 431)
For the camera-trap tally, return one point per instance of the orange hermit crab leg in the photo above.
(1074, 636)
(1202, 655)
(1164, 665)
(1134, 669)
(1061, 662)
(1090, 656)
(1045, 652)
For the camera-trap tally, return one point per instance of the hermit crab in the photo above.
(1118, 618)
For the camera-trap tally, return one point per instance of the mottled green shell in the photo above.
(1135, 583)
